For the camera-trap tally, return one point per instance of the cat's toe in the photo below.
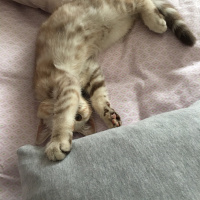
(162, 26)
(57, 150)
(159, 26)
(112, 119)
(65, 146)
(115, 119)
(156, 23)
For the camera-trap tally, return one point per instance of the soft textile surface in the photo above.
(158, 158)
(146, 74)
(46, 5)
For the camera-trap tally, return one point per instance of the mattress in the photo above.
(146, 74)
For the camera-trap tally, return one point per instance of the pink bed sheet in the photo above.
(146, 74)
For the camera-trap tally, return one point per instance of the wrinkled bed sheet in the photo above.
(145, 73)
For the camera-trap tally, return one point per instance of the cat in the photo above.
(66, 50)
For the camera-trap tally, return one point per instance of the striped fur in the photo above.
(67, 46)
(175, 22)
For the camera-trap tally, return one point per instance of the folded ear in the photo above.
(89, 128)
(42, 133)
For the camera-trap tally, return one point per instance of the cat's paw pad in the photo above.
(112, 119)
(115, 119)
(157, 23)
(58, 149)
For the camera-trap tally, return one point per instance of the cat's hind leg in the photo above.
(66, 94)
(152, 18)
(99, 96)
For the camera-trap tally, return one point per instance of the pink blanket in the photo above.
(146, 74)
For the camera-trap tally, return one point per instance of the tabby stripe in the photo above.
(45, 112)
(87, 86)
(96, 86)
(91, 78)
(64, 101)
(61, 110)
(176, 24)
(63, 83)
(95, 74)
(179, 28)
(94, 77)
(66, 92)
(185, 35)
(50, 92)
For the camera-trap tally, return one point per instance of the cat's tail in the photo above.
(175, 22)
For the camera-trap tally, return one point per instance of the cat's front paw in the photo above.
(111, 118)
(57, 148)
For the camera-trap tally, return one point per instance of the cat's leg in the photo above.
(152, 18)
(96, 88)
(66, 94)
(45, 109)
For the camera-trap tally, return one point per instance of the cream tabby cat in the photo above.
(67, 46)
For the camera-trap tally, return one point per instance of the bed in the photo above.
(146, 74)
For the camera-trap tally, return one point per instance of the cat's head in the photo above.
(84, 122)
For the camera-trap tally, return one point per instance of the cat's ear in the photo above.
(42, 133)
(89, 128)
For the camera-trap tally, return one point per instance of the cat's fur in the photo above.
(67, 46)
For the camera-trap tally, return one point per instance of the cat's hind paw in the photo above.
(155, 21)
(159, 26)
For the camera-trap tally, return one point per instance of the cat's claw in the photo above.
(58, 149)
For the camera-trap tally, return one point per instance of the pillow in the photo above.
(46, 5)
(157, 158)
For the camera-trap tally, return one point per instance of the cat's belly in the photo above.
(70, 40)
(116, 31)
